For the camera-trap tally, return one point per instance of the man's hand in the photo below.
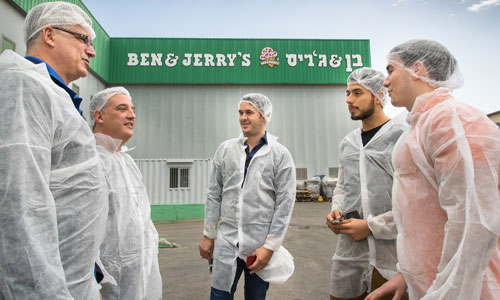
(333, 215)
(263, 257)
(207, 248)
(396, 286)
(356, 229)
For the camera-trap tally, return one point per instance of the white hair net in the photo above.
(261, 103)
(371, 80)
(100, 99)
(55, 14)
(442, 67)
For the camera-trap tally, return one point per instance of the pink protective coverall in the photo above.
(446, 200)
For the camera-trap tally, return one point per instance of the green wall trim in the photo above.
(177, 212)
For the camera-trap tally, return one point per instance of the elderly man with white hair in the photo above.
(252, 191)
(52, 187)
(129, 252)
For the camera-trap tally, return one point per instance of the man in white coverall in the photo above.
(252, 191)
(52, 188)
(129, 252)
(446, 189)
(365, 256)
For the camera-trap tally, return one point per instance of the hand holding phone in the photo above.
(334, 217)
(337, 221)
(349, 215)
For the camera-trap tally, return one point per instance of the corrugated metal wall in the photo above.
(190, 121)
(11, 26)
(156, 177)
(89, 86)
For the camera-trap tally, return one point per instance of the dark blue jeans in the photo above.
(255, 288)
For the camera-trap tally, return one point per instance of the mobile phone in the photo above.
(352, 215)
(251, 259)
(337, 221)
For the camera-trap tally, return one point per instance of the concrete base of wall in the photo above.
(177, 212)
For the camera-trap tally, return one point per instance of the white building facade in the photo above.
(186, 92)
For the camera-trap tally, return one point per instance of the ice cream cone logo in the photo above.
(269, 57)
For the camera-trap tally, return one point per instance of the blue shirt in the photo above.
(57, 80)
(262, 142)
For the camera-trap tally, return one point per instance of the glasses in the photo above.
(82, 37)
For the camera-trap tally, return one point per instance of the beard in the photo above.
(365, 113)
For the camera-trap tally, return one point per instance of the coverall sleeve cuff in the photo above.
(369, 220)
(382, 226)
(211, 234)
(337, 203)
(272, 244)
(336, 207)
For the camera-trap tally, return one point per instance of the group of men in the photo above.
(75, 218)
(416, 204)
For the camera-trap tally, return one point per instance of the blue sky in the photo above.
(470, 29)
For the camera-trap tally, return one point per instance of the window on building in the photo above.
(301, 173)
(76, 89)
(333, 172)
(179, 178)
(7, 44)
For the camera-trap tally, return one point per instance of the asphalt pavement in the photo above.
(185, 274)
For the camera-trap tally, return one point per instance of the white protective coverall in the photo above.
(52, 189)
(255, 215)
(129, 252)
(446, 200)
(365, 185)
